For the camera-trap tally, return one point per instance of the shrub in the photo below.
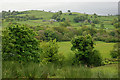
(19, 44)
(50, 35)
(83, 47)
(50, 53)
(79, 18)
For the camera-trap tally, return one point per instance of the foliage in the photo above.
(13, 16)
(65, 23)
(95, 15)
(109, 61)
(19, 44)
(57, 16)
(83, 47)
(50, 53)
(117, 25)
(50, 35)
(79, 18)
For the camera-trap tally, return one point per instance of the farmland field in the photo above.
(102, 47)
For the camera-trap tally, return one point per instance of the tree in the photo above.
(69, 11)
(63, 19)
(95, 15)
(84, 51)
(50, 35)
(57, 16)
(79, 18)
(50, 52)
(60, 12)
(19, 44)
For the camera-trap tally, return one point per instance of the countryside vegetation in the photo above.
(41, 44)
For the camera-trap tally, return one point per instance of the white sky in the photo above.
(59, 0)
(38, 4)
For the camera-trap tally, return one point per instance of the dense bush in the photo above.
(79, 18)
(19, 44)
(50, 53)
(50, 35)
(84, 50)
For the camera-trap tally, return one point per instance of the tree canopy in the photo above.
(19, 44)
(84, 51)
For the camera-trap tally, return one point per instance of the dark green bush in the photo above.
(50, 35)
(19, 44)
(84, 51)
(79, 18)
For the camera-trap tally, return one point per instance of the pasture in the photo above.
(102, 47)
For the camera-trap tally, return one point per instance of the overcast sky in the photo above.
(60, 0)
(21, 5)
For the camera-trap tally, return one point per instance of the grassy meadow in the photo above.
(102, 47)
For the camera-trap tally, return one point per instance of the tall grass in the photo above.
(74, 72)
(28, 70)
(35, 70)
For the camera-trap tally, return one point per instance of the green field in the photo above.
(102, 47)
(47, 16)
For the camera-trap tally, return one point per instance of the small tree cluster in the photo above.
(50, 53)
(57, 16)
(84, 51)
(79, 18)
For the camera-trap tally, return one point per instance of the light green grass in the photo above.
(107, 71)
(102, 47)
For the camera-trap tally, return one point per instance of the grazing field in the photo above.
(102, 47)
